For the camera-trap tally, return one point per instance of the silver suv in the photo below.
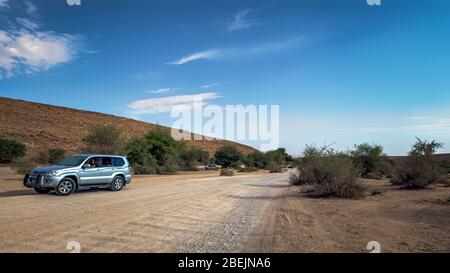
(81, 172)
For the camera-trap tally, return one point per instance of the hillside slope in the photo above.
(42, 126)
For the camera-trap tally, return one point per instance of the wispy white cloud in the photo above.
(208, 86)
(160, 90)
(25, 48)
(241, 21)
(208, 54)
(147, 75)
(166, 104)
(30, 7)
(419, 117)
(237, 52)
(4, 4)
(28, 24)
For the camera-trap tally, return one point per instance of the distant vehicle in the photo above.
(212, 167)
(81, 172)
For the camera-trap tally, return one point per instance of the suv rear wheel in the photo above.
(117, 183)
(66, 187)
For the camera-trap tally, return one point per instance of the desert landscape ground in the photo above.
(202, 212)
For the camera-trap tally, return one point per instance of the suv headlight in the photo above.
(54, 173)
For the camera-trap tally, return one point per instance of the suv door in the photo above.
(91, 174)
(106, 170)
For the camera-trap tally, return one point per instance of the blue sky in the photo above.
(342, 72)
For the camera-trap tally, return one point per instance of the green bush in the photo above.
(11, 150)
(226, 172)
(255, 160)
(370, 160)
(51, 156)
(228, 156)
(422, 168)
(331, 174)
(156, 152)
(104, 139)
(278, 156)
(191, 157)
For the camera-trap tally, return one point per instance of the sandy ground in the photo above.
(202, 212)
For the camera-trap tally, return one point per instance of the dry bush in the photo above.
(50, 156)
(226, 172)
(330, 174)
(422, 168)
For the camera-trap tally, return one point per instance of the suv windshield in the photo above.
(72, 161)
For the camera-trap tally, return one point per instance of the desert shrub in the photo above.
(331, 174)
(297, 179)
(228, 156)
(370, 160)
(103, 139)
(191, 157)
(51, 156)
(226, 172)
(156, 152)
(421, 168)
(274, 167)
(10, 150)
(255, 160)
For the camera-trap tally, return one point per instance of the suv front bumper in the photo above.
(42, 181)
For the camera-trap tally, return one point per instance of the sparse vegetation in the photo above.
(51, 156)
(422, 168)
(10, 150)
(329, 173)
(104, 139)
(370, 160)
(23, 166)
(226, 172)
(228, 156)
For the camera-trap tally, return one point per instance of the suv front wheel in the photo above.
(117, 183)
(66, 187)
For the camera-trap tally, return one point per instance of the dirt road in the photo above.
(202, 212)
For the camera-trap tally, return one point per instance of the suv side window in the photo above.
(118, 162)
(106, 162)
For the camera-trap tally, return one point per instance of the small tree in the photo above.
(422, 167)
(370, 160)
(156, 152)
(10, 150)
(228, 156)
(103, 139)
